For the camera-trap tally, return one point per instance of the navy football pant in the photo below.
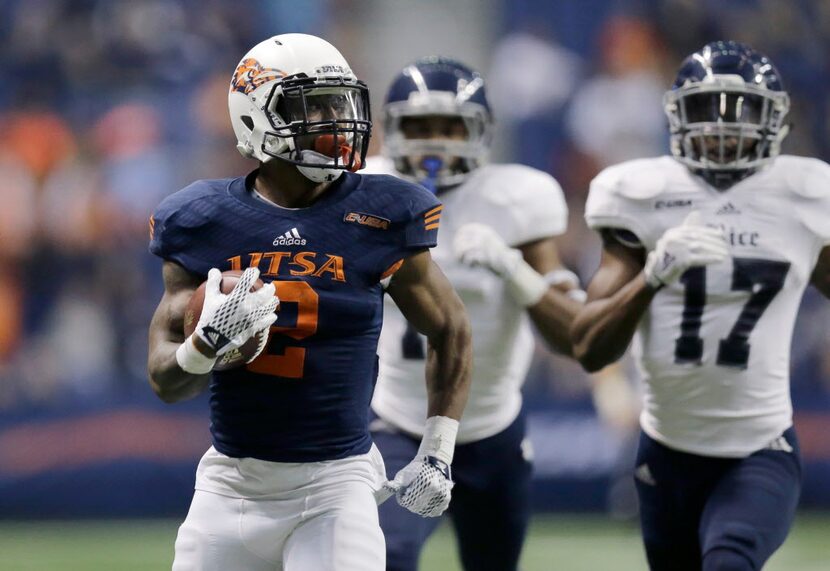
(490, 505)
(707, 513)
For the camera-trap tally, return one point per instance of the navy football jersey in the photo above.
(306, 398)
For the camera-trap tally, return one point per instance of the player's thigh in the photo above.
(491, 524)
(490, 506)
(752, 508)
(671, 487)
(345, 536)
(405, 534)
(210, 538)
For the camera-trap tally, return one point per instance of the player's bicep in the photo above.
(620, 263)
(168, 320)
(424, 295)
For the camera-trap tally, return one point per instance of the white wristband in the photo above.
(566, 276)
(579, 295)
(193, 361)
(439, 438)
(562, 276)
(526, 285)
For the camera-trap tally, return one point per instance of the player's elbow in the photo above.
(169, 387)
(592, 362)
(595, 355)
(455, 335)
(457, 327)
(588, 349)
(162, 391)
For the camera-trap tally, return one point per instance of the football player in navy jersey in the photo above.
(292, 480)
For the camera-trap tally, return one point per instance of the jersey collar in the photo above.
(241, 189)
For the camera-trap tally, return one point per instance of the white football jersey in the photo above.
(522, 204)
(714, 347)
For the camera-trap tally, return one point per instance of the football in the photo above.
(235, 357)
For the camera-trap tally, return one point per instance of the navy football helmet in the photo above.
(726, 112)
(437, 86)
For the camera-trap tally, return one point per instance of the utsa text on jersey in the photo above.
(304, 264)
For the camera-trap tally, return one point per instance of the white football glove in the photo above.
(682, 247)
(423, 486)
(228, 321)
(479, 245)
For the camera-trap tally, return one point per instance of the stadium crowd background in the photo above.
(106, 107)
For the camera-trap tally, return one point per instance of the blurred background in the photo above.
(106, 107)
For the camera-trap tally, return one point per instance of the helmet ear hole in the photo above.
(248, 122)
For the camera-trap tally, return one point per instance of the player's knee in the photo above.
(726, 559)
(734, 545)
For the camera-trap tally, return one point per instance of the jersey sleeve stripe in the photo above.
(432, 226)
(435, 210)
(391, 269)
(434, 218)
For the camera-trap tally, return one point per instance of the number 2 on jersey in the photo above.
(763, 279)
(292, 362)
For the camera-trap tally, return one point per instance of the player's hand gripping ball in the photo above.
(235, 356)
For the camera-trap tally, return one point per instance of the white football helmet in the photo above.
(293, 97)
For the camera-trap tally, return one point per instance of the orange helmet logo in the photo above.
(250, 74)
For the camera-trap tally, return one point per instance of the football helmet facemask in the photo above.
(436, 87)
(293, 97)
(726, 112)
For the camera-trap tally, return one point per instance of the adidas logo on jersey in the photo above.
(728, 208)
(290, 238)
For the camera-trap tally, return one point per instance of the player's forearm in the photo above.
(449, 367)
(553, 316)
(603, 329)
(168, 380)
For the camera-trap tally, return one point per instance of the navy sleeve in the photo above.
(416, 227)
(175, 229)
(422, 231)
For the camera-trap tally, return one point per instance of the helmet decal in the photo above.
(250, 74)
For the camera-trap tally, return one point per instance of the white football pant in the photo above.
(253, 515)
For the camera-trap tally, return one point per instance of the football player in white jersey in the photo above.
(705, 258)
(496, 247)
